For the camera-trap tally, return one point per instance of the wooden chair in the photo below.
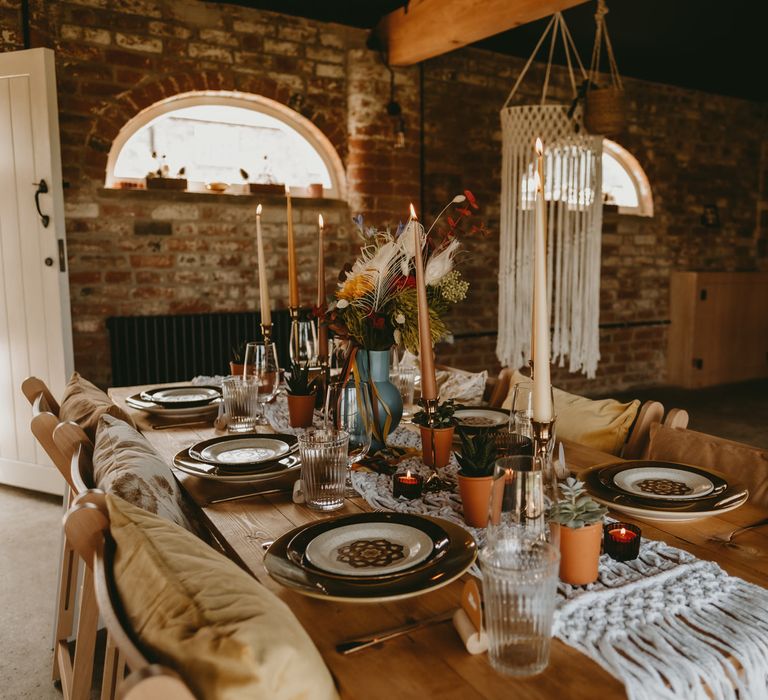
(87, 527)
(76, 616)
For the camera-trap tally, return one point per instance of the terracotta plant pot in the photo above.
(301, 410)
(475, 492)
(236, 368)
(443, 444)
(580, 553)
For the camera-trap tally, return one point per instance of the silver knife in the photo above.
(352, 645)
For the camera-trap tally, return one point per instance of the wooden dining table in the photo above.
(430, 662)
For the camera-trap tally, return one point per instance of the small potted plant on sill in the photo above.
(301, 396)
(161, 179)
(436, 437)
(581, 533)
(476, 461)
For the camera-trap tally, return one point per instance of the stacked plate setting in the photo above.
(371, 557)
(473, 420)
(241, 458)
(663, 491)
(178, 401)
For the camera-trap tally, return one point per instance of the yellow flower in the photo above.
(354, 288)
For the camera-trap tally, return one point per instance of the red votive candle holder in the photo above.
(407, 485)
(621, 541)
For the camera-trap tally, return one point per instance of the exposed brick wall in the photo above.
(141, 252)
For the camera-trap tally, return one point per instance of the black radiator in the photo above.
(156, 349)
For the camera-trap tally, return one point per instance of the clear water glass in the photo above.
(324, 462)
(516, 506)
(241, 403)
(406, 383)
(521, 411)
(260, 362)
(304, 341)
(520, 587)
(348, 407)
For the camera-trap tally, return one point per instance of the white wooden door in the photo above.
(35, 326)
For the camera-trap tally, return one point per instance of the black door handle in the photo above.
(42, 188)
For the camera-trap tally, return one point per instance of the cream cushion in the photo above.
(125, 464)
(84, 403)
(227, 635)
(747, 464)
(601, 424)
(463, 387)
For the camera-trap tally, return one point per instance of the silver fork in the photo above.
(727, 537)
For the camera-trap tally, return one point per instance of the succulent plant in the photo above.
(478, 454)
(576, 508)
(298, 381)
(443, 417)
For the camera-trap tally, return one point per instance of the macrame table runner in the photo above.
(669, 626)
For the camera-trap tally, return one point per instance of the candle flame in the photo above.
(287, 190)
(258, 210)
(539, 146)
(320, 220)
(413, 213)
(623, 531)
(407, 473)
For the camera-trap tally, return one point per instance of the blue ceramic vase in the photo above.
(373, 366)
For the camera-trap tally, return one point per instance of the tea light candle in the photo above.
(622, 541)
(407, 485)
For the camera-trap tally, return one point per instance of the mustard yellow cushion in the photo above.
(601, 424)
(84, 403)
(747, 464)
(196, 611)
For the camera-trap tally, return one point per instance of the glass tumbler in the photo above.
(520, 587)
(516, 506)
(323, 467)
(241, 403)
(406, 383)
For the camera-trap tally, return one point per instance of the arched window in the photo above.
(624, 181)
(214, 136)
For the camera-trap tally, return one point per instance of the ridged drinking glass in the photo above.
(520, 587)
(241, 403)
(323, 467)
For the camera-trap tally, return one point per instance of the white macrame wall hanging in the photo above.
(573, 190)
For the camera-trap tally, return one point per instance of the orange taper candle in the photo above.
(426, 357)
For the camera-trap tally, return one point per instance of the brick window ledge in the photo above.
(208, 197)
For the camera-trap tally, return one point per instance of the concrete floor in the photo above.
(30, 525)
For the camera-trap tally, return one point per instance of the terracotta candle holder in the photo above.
(407, 485)
(622, 541)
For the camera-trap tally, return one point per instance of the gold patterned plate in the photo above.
(459, 556)
(377, 548)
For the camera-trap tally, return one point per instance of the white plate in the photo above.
(480, 418)
(185, 394)
(184, 464)
(663, 483)
(157, 410)
(366, 549)
(251, 450)
(666, 515)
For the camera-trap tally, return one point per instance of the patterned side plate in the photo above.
(184, 462)
(663, 482)
(477, 419)
(244, 451)
(182, 396)
(154, 409)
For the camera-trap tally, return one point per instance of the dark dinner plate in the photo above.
(297, 547)
(188, 396)
(609, 473)
(197, 450)
(460, 554)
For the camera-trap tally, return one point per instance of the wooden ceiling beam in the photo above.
(434, 27)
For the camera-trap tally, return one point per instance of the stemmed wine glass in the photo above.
(261, 364)
(305, 343)
(348, 407)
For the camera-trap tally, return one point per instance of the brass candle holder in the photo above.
(266, 333)
(434, 481)
(543, 439)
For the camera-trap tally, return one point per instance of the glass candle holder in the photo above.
(621, 541)
(407, 485)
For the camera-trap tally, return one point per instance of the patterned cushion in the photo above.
(601, 424)
(125, 464)
(747, 464)
(196, 611)
(463, 387)
(84, 403)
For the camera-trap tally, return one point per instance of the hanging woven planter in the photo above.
(573, 194)
(604, 107)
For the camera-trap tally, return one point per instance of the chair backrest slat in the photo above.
(34, 388)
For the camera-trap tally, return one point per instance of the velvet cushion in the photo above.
(196, 611)
(602, 424)
(84, 403)
(125, 464)
(747, 464)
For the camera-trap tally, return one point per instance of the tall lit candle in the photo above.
(293, 280)
(266, 312)
(426, 358)
(322, 329)
(542, 389)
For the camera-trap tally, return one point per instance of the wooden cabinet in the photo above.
(719, 330)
